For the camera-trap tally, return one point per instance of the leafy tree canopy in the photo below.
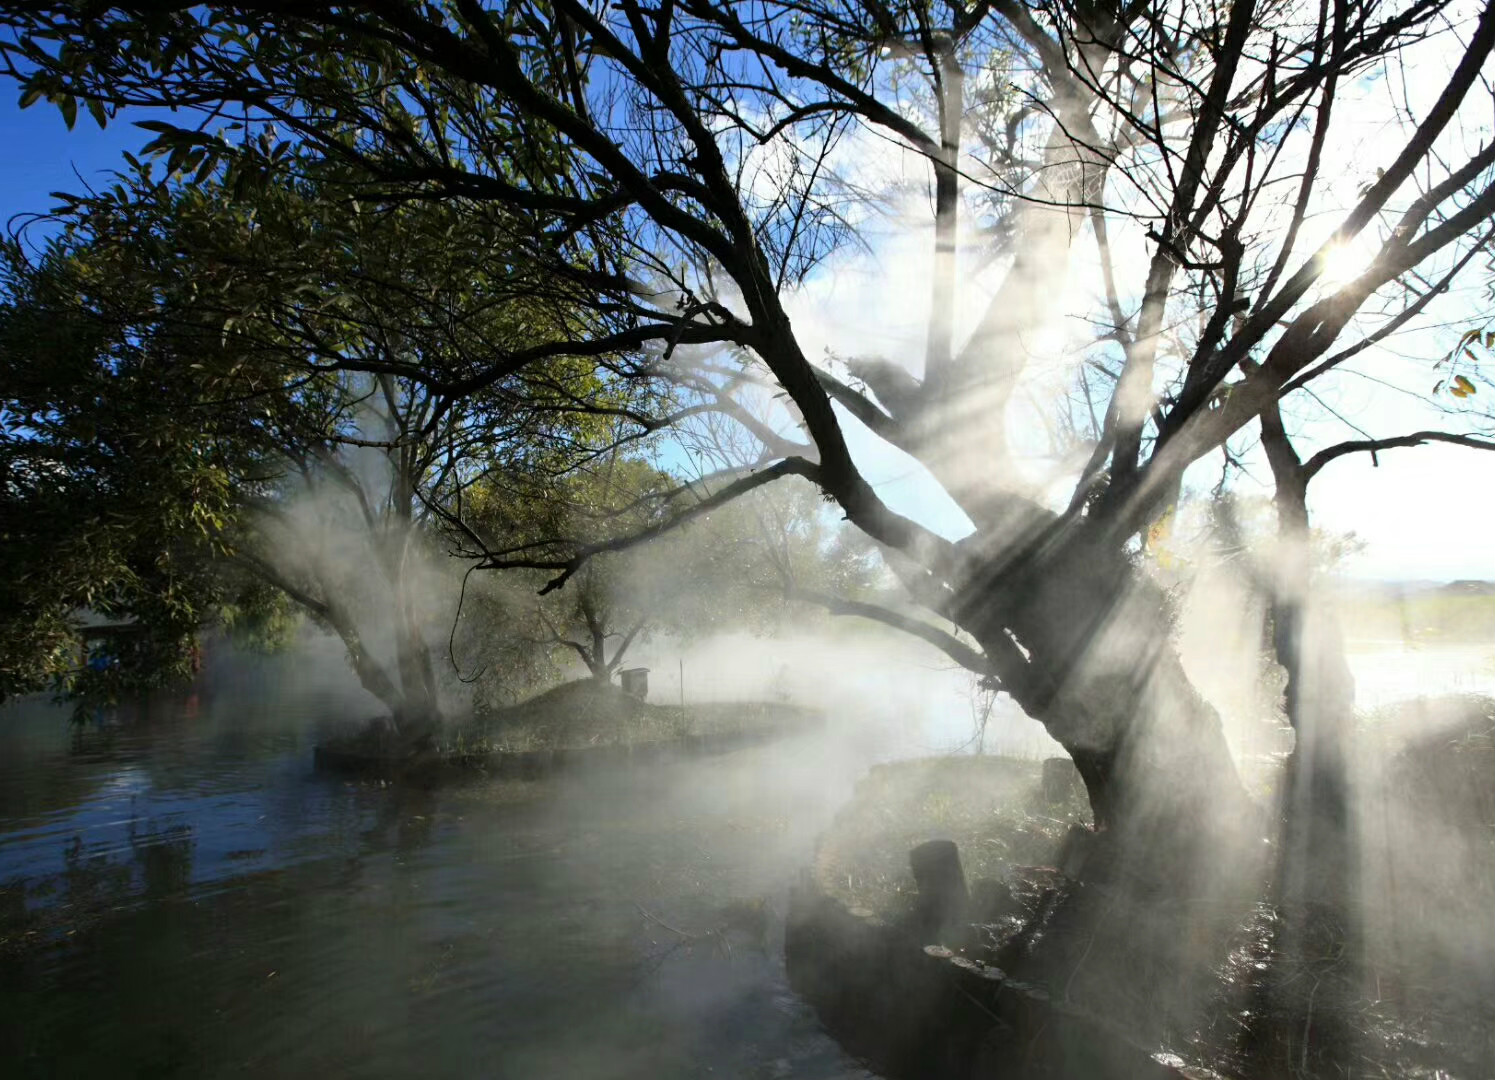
(183, 358)
(677, 170)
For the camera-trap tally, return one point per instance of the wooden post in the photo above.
(943, 898)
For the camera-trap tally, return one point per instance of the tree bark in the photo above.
(1172, 817)
(1320, 691)
(1317, 940)
(420, 711)
(1104, 679)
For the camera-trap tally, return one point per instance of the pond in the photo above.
(181, 895)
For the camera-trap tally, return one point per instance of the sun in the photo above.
(1341, 263)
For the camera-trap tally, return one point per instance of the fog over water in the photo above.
(182, 894)
(210, 906)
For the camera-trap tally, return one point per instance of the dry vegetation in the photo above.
(1422, 1002)
(1455, 614)
(992, 807)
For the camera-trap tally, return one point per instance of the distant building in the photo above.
(635, 681)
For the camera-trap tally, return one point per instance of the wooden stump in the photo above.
(943, 898)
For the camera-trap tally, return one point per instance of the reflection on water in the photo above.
(181, 895)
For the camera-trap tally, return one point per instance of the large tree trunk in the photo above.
(1175, 861)
(1303, 1011)
(420, 711)
(597, 663)
(1318, 855)
(371, 674)
(1103, 677)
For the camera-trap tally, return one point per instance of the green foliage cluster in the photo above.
(376, 222)
(174, 355)
(115, 492)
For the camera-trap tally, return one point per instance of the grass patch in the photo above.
(585, 713)
(992, 807)
(575, 714)
(1463, 612)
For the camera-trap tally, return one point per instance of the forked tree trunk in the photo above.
(1318, 851)
(415, 718)
(1308, 995)
(1106, 682)
(1178, 847)
(371, 674)
(419, 711)
(419, 714)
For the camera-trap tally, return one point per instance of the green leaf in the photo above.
(209, 162)
(69, 107)
(1462, 386)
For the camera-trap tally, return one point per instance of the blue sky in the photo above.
(38, 155)
(1424, 513)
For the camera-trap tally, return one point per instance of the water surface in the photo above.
(181, 895)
